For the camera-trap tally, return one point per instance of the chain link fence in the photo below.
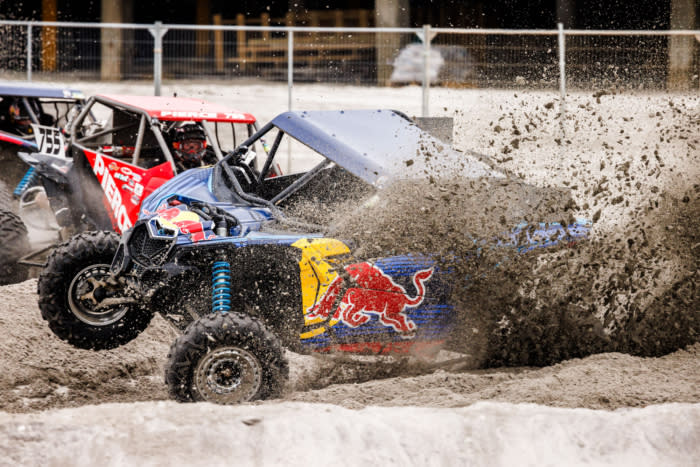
(361, 56)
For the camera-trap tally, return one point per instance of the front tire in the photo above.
(74, 287)
(15, 244)
(226, 358)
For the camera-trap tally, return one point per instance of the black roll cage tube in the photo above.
(107, 131)
(268, 162)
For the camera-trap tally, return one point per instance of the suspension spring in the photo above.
(221, 287)
(26, 181)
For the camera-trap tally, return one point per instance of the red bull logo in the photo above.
(375, 293)
(187, 222)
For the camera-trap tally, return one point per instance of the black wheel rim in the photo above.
(86, 292)
(228, 375)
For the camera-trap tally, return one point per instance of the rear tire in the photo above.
(72, 287)
(15, 244)
(6, 199)
(226, 359)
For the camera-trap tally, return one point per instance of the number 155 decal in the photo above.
(49, 140)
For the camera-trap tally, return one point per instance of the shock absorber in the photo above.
(221, 286)
(26, 181)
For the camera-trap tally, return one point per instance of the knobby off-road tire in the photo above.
(7, 203)
(226, 359)
(73, 284)
(14, 243)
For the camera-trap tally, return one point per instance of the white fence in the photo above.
(481, 58)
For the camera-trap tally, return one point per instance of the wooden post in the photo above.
(338, 18)
(202, 37)
(265, 21)
(363, 18)
(390, 14)
(111, 41)
(680, 48)
(240, 41)
(314, 21)
(49, 47)
(218, 45)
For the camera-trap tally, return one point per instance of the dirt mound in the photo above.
(603, 381)
(41, 371)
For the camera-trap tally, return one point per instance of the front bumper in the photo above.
(144, 247)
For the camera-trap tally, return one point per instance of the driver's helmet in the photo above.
(189, 143)
(19, 120)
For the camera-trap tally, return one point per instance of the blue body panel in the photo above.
(191, 183)
(194, 184)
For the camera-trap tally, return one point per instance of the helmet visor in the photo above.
(192, 146)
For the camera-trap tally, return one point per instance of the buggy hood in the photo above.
(379, 145)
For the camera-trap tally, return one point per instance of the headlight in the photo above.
(159, 229)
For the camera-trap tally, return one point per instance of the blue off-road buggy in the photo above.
(227, 255)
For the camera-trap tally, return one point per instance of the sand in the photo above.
(632, 163)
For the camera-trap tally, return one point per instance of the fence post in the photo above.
(157, 31)
(426, 69)
(290, 67)
(290, 85)
(29, 52)
(562, 75)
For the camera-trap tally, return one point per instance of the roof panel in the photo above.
(379, 145)
(20, 89)
(180, 108)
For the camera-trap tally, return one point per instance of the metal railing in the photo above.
(554, 59)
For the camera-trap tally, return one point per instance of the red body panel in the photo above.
(125, 185)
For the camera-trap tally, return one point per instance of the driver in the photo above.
(13, 119)
(189, 144)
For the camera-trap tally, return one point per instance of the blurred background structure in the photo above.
(473, 43)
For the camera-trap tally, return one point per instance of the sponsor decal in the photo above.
(355, 295)
(186, 222)
(186, 114)
(120, 176)
(373, 293)
(200, 115)
(135, 188)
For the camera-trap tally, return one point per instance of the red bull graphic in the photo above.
(375, 293)
(186, 222)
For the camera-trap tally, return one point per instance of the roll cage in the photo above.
(49, 111)
(128, 115)
(230, 164)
